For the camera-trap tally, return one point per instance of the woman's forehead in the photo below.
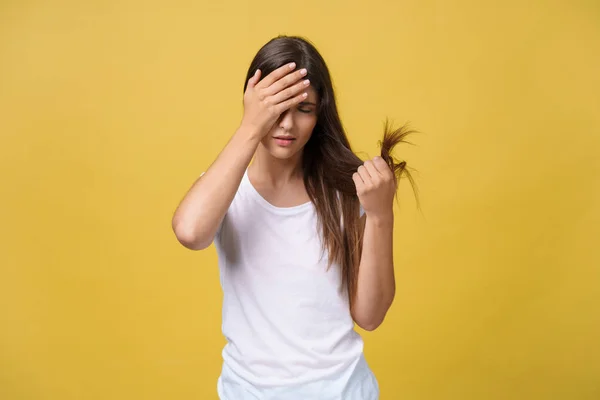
(313, 97)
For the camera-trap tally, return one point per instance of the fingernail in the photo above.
(306, 82)
(303, 71)
(292, 65)
(304, 94)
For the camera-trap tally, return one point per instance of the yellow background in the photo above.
(110, 110)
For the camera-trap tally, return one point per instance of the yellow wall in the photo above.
(110, 109)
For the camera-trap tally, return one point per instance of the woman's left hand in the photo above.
(375, 187)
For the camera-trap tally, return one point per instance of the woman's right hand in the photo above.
(266, 100)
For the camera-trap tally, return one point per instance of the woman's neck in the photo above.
(274, 171)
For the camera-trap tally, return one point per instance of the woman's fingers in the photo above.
(285, 82)
(276, 75)
(364, 174)
(291, 91)
(372, 170)
(383, 168)
(359, 183)
(286, 105)
(282, 88)
(254, 79)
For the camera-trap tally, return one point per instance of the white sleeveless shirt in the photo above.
(286, 317)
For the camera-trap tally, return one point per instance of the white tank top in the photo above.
(286, 317)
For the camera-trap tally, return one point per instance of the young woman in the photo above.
(303, 236)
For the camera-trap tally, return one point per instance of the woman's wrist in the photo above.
(250, 132)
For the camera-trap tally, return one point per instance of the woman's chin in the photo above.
(283, 153)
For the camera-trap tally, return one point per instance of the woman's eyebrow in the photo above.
(307, 103)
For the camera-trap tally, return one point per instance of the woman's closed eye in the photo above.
(306, 107)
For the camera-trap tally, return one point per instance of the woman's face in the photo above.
(293, 128)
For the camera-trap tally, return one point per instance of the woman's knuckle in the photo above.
(288, 80)
(286, 93)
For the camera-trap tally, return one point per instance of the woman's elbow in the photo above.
(371, 319)
(189, 238)
(370, 324)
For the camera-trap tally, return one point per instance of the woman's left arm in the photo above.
(376, 187)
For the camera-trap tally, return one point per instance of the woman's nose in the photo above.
(286, 121)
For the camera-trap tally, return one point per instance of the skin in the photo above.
(283, 105)
(376, 187)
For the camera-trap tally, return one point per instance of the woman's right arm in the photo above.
(197, 218)
(199, 214)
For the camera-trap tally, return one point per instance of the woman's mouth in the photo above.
(283, 141)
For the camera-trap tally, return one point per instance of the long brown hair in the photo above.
(328, 160)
